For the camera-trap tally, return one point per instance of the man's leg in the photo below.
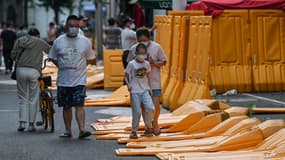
(80, 117)
(67, 117)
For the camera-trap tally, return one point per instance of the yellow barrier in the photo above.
(113, 69)
(197, 60)
(165, 37)
(176, 91)
(177, 52)
(248, 51)
(173, 61)
(230, 64)
(268, 49)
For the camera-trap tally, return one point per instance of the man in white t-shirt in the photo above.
(70, 53)
(128, 38)
(156, 58)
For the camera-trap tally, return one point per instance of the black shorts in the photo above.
(71, 96)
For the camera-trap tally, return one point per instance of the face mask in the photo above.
(145, 43)
(141, 57)
(132, 26)
(73, 31)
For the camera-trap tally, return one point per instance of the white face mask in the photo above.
(141, 57)
(146, 43)
(73, 31)
(132, 26)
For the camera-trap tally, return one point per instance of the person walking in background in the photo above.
(21, 31)
(52, 33)
(128, 38)
(28, 52)
(9, 37)
(83, 22)
(157, 59)
(112, 35)
(70, 53)
(137, 80)
(137, 13)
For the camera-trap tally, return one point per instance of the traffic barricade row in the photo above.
(246, 53)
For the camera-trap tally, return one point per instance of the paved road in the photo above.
(47, 146)
(43, 145)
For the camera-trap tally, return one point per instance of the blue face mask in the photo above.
(73, 31)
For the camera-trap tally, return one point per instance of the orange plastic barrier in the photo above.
(178, 87)
(268, 49)
(230, 64)
(174, 61)
(197, 66)
(180, 32)
(164, 37)
(248, 51)
(113, 69)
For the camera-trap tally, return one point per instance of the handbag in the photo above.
(13, 74)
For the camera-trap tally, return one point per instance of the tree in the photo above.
(57, 6)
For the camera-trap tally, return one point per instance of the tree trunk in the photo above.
(56, 15)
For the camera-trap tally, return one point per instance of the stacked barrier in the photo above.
(230, 63)
(178, 87)
(197, 65)
(173, 59)
(240, 49)
(164, 25)
(113, 69)
(268, 49)
(248, 51)
(178, 50)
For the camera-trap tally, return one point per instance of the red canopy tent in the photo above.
(216, 7)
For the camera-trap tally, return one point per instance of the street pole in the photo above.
(179, 5)
(99, 29)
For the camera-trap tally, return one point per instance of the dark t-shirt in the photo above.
(9, 38)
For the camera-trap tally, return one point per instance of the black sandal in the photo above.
(157, 133)
(84, 134)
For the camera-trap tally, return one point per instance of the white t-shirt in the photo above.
(71, 55)
(128, 38)
(157, 54)
(138, 76)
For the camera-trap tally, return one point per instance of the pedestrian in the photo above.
(70, 53)
(9, 37)
(112, 35)
(21, 32)
(137, 80)
(83, 22)
(137, 13)
(28, 52)
(128, 38)
(156, 58)
(52, 33)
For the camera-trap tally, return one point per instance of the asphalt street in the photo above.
(43, 145)
(48, 146)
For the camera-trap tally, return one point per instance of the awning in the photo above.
(159, 4)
